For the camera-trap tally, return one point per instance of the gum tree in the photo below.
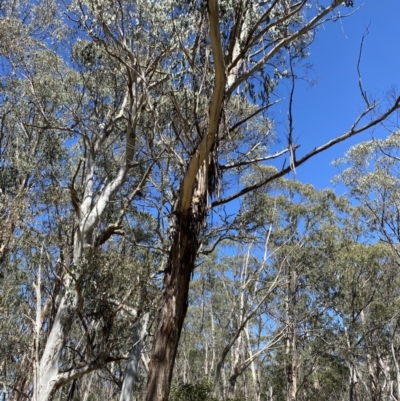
(146, 111)
(371, 175)
(237, 42)
(72, 158)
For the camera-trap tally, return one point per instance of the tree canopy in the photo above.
(148, 237)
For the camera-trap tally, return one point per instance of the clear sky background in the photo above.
(327, 108)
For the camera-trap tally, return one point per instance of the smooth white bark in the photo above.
(47, 377)
(396, 366)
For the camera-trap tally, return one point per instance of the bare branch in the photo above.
(256, 160)
(362, 91)
(282, 43)
(352, 132)
(260, 110)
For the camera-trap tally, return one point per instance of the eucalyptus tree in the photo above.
(362, 297)
(226, 48)
(262, 313)
(370, 172)
(336, 302)
(145, 113)
(71, 135)
(305, 235)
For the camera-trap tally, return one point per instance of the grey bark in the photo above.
(291, 337)
(131, 371)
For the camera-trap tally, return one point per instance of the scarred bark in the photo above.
(173, 305)
(174, 298)
(189, 218)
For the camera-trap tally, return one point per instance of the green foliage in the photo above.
(201, 391)
(104, 96)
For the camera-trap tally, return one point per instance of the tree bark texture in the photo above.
(48, 376)
(190, 216)
(173, 305)
(134, 357)
(354, 385)
(291, 337)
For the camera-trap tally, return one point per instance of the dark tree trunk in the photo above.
(190, 216)
(173, 304)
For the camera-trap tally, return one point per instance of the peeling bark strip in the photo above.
(190, 216)
(201, 154)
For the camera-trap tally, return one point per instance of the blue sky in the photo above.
(327, 109)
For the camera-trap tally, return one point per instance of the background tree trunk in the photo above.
(291, 336)
(131, 370)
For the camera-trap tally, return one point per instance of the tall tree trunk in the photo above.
(134, 357)
(254, 370)
(354, 385)
(291, 336)
(88, 213)
(190, 217)
(173, 305)
(235, 372)
(396, 366)
(47, 375)
(213, 342)
(373, 375)
(47, 378)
